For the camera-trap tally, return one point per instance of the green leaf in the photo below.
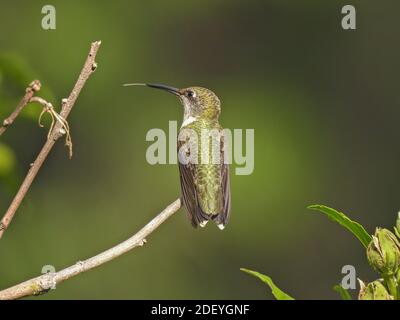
(397, 227)
(278, 293)
(344, 294)
(354, 227)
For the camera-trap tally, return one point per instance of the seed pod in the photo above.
(383, 252)
(374, 291)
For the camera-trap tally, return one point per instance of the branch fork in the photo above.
(59, 127)
(57, 130)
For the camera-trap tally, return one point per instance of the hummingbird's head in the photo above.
(198, 102)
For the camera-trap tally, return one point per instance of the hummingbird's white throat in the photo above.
(188, 120)
(188, 116)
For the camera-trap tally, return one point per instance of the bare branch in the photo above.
(67, 105)
(44, 283)
(33, 87)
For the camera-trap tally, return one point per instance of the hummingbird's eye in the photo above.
(190, 94)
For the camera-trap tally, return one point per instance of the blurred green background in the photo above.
(324, 104)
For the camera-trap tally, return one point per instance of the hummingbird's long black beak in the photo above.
(156, 86)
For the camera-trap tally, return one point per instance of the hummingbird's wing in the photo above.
(187, 173)
(223, 217)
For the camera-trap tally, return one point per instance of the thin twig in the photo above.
(33, 87)
(44, 283)
(67, 104)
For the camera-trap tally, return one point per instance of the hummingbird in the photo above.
(205, 187)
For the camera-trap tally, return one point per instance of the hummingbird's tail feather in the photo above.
(199, 217)
(221, 220)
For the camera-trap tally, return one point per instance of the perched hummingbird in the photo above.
(205, 186)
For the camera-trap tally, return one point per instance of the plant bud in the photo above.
(398, 276)
(383, 252)
(397, 227)
(374, 291)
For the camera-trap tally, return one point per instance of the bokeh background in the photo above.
(324, 104)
